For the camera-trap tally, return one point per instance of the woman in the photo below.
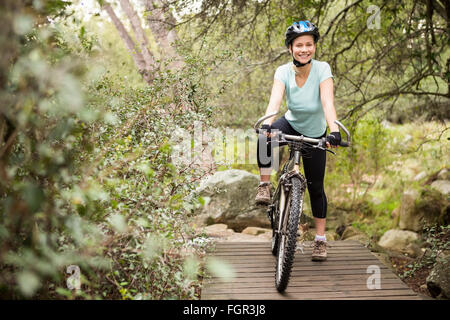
(308, 85)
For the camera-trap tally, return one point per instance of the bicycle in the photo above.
(286, 205)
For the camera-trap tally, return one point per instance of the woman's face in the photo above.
(303, 48)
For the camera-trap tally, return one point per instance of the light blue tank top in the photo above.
(305, 112)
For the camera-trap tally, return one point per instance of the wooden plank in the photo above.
(269, 281)
(388, 294)
(268, 243)
(342, 276)
(252, 254)
(304, 289)
(306, 265)
(301, 283)
(305, 262)
(307, 273)
(300, 259)
(268, 246)
(306, 277)
(242, 251)
(330, 268)
(259, 245)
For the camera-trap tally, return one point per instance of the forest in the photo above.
(95, 96)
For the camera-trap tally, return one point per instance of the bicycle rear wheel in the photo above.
(287, 242)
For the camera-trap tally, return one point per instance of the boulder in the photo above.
(413, 250)
(443, 186)
(350, 232)
(398, 240)
(218, 230)
(420, 176)
(395, 214)
(353, 234)
(423, 208)
(444, 174)
(242, 237)
(433, 207)
(438, 281)
(359, 237)
(331, 236)
(231, 200)
(410, 218)
(254, 231)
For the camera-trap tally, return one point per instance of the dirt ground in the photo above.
(417, 281)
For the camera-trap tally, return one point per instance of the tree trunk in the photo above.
(159, 20)
(136, 54)
(139, 32)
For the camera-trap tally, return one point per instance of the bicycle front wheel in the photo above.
(287, 242)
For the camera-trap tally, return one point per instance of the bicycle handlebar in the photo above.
(303, 138)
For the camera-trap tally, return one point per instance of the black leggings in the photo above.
(314, 161)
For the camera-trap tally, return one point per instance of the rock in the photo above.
(350, 232)
(254, 231)
(444, 174)
(331, 235)
(423, 208)
(413, 250)
(359, 237)
(218, 230)
(395, 214)
(433, 207)
(265, 236)
(438, 281)
(397, 240)
(231, 200)
(410, 219)
(420, 176)
(340, 230)
(241, 237)
(443, 186)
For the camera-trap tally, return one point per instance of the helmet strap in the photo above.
(299, 64)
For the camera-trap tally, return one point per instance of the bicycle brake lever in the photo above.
(326, 149)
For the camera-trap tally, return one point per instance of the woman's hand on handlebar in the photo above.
(268, 127)
(333, 139)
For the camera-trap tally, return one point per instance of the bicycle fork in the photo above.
(285, 189)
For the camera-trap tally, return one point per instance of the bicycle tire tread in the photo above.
(297, 193)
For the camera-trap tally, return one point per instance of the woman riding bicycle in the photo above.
(308, 85)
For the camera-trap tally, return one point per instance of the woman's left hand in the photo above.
(333, 139)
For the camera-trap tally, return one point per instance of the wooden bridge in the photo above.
(348, 273)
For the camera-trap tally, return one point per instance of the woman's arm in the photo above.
(276, 98)
(327, 98)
